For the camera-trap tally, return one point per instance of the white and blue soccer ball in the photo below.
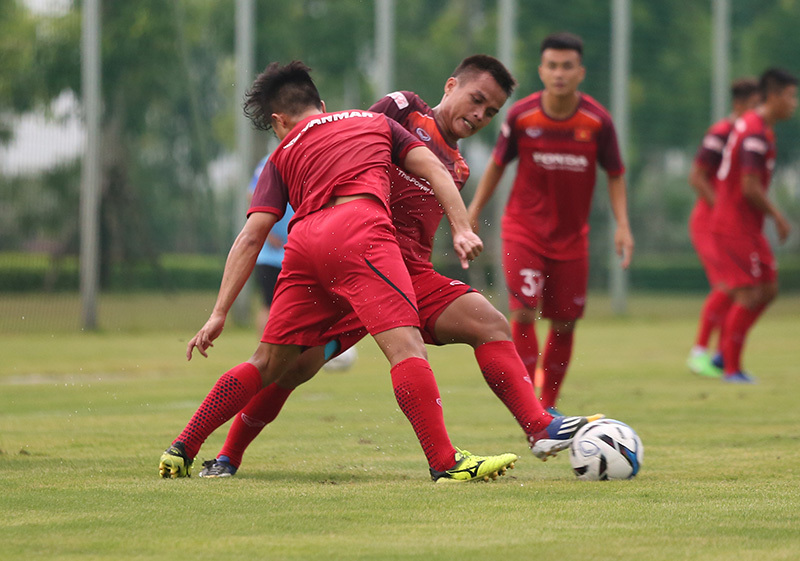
(342, 362)
(606, 449)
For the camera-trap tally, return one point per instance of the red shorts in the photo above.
(434, 293)
(745, 261)
(533, 280)
(339, 260)
(706, 247)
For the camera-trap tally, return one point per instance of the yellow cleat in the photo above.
(174, 462)
(469, 467)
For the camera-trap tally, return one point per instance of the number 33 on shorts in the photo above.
(532, 283)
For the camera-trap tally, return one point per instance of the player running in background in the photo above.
(560, 135)
(747, 266)
(450, 311)
(341, 255)
(702, 177)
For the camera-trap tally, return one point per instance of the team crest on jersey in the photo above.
(533, 132)
(400, 100)
(423, 134)
(583, 135)
(461, 169)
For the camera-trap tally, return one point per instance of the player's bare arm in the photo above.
(238, 267)
(754, 194)
(623, 238)
(701, 183)
(422, 162)
(486, 188)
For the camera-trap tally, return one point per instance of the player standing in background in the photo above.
(268, 262)
(268, 267)
(747, 266)
(560, 135)
(450, 311)
(702, 177)
(342, 255)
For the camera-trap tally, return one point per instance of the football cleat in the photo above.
(557, 436)
(702, 364)
(470, 467)
(217, 468)
(554, 412)
(175, 463)
(738, 377)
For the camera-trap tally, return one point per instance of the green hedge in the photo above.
(24, 272)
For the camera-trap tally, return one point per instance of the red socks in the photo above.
(713, 315)
(250, 421)
(231, 392)
(524, 337)
(418, 396)
(505, 373)
(558, 351)
(734, 332)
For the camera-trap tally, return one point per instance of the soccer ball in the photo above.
(342, 362)
(606, 449)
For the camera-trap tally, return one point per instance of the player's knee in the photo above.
(493, 326)
(401, 343)
(563, 327)
(524, 315)
(768, 293)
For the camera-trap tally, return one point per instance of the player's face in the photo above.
(561, 71)
(469, 104)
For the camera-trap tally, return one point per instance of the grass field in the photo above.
(85, 416)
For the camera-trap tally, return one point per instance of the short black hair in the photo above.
(743, 88)
(562, 41)
(774, 80)
(285, 89)
(486, 63)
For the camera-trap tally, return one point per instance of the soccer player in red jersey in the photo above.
(341, 256)
(747, 266)
(702, 177)
(559, 135)
(450, 311)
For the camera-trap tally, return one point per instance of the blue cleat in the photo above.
(557, 436)
(738, 377)
(217, 468)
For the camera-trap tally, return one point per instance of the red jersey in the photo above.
(331, 155)
(415, 211)
(708, 158)
(750, 150)
(552, 193)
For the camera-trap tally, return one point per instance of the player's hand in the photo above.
(783, 227)
(623, 243)
(468, 246)
(203, 340)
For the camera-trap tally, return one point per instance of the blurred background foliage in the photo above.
(169, 114)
